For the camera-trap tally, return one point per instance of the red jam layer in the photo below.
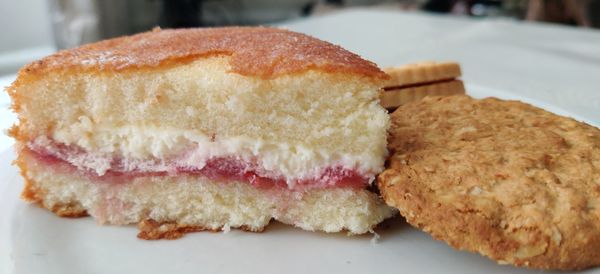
(219, 168)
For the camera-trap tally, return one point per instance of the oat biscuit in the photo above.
(510, 181)
(413, 82)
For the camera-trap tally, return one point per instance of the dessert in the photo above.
(204, 129)
(505, 179)
(413, 82)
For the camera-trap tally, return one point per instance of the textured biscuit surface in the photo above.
(508, 180)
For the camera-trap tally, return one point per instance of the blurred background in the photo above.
(35, 28)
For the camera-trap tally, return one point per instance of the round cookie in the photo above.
(503, 178)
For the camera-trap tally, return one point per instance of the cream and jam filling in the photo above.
(107, 168)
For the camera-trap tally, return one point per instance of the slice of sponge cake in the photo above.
(191, 129)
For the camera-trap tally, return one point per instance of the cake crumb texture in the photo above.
(168, 206)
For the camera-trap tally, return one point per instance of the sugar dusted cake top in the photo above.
(263, 52)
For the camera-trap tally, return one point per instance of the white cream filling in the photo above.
(192, 148)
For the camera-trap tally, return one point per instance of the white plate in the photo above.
(36, 241)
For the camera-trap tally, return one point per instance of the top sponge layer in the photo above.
(254, 51)
(294, 102)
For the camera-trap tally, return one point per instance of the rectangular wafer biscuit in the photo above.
(396, 97)
(424, 72)
(415, 81)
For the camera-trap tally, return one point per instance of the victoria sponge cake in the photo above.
(204, 129)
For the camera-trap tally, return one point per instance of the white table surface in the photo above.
(556, 65)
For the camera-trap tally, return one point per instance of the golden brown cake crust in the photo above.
(153, 230)
(508, 180)
(254, 51)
